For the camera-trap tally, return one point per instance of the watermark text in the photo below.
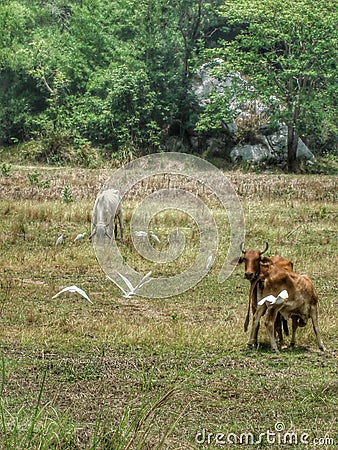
(277, 436)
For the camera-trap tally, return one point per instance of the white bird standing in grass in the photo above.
(59, 240)
(143, 234)
(80, 236)
(74, 289)
(154, 237)
(132, 290)
(209, 263)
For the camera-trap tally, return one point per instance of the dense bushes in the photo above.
(115, 75)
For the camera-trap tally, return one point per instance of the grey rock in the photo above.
(303, 152)
(256, 153)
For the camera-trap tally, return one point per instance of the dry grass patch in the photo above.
(152, 373)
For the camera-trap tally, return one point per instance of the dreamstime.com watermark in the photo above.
(170, 197)
(277, 436)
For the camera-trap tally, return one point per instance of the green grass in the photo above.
(153, 373)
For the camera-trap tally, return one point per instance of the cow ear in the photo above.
(236, 261)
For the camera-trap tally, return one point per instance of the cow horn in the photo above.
(266, 247)
(242, 247)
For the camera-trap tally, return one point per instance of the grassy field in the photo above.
(168, 373)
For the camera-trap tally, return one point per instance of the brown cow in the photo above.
(300, 305)
(252, 259)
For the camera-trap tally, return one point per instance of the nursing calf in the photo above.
(252, 262)
(300, 305)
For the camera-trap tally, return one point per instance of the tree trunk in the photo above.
(292, 140)
(292, 144)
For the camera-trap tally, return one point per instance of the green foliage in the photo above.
(67, 195)
(5, 169)
(89, 69)
(34, 180)
(116, 108)
(59, 148)
(116, 74)
(287, 52)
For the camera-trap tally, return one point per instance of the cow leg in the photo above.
(270, 326)
(121, 226)
(279, 331)
(314, 318)
(255, 326)
(278, 328)
(294, 329)
(254, 300)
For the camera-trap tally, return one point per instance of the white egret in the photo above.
(154, 237)
(132, 290)
(59, 240)
(74, 289)
(144, 234)
(80, 236)
(209, 263)
(141, 234)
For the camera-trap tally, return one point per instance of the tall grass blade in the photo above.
(37, 410)
(2, 412)
(158, 404)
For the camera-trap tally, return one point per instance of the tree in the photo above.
(16, 90)
(109, 71)
(191, 24)
(286, 49)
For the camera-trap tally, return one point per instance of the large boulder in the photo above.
(271, 148)
(256, 153)
(277, 144)
(303, 152)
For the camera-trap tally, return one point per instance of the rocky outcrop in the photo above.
(272, 148)
(269, 145)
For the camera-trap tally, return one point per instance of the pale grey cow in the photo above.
(106, 212)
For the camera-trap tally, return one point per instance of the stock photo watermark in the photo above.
(276, 436)
(189, 167)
